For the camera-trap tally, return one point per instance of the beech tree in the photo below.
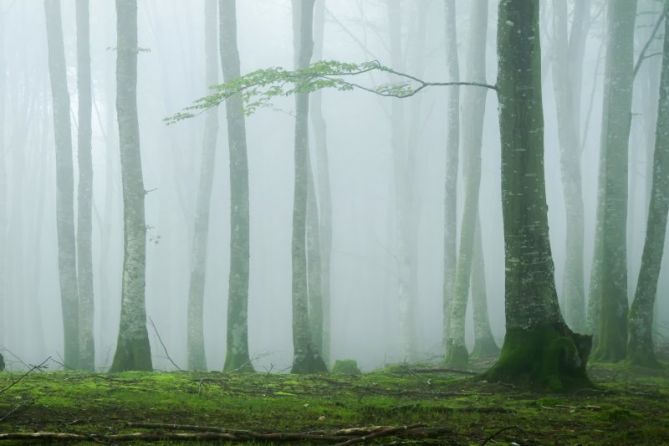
(67, 254)
(85, 193)
(196, 355)
(237, 353)
(133, 351)
(640, 348)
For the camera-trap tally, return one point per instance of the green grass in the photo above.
(628, 407)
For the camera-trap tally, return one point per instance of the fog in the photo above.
(365, 261)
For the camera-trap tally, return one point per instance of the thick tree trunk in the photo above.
(237, 354)
(484, 343)
(322, 185)
(85, 195)
(196, 356)
(640, 342)
(473, 112)
(306, 358)
(610, 256)
(133, 351)
(567, 74)
(451, 173)
(67, 258)
(539, 349)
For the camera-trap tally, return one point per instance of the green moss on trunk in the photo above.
(308, 362)
(457, 356)
(485, 348)
(547, 357)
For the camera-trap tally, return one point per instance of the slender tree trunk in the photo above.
(67, 257)
(306, 358)
(196, 356)
(484, 342)
(85, 194)
(4, 194)
(567, 75)
(640, 342)
(133, 351)
(237, 354)
(322, 185)
(539, 348)
(452, 160)
(610, 256)
(473, 112)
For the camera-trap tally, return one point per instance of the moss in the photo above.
(346, 367)
(485, 348)
(547, 357)
(457, 356)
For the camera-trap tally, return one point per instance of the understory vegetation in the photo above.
(405, 404)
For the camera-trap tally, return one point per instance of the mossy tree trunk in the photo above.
(569, 48)
(473, 112)
(323, 188)
(451, 171)
(610, 255)
(640, 349)
(539, 349)
(306, 357)
(85, 193)
(484, 343)
(237, 355)
(133, 351)
(67, 256)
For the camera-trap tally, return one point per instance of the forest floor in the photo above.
(399, 405)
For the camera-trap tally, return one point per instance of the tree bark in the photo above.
(237, 354)
(306, 358)
(610, 256)
(568, 50)
(539, 349)
(67, 257)
(133, 351)
(85, 194)
(196, 355)
(640, 342)
(473, 112)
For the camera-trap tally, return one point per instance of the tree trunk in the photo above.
(610, 256)
(85, 195)
(133, 351)
(4, 194)
(473, 112)
(451, 173)
(567, 74)
(640, 342)
(237, 354)
(196, 355)
(539, 349)
(484, 343)
(322, 185)
(67, 258)
(306, 358)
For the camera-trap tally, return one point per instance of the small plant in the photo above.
(346, 367)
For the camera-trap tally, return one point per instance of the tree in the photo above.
(322, 189)
(484, 342)
(473, 112)
(133, 351)
(452, 161)
(640, 341)
(67, 256)
(237, 354)
(196, 356)
(539, 348)
(567, 66)
(609, 271)
(85, 193)
(306, 358)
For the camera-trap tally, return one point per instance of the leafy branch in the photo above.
(258, 88)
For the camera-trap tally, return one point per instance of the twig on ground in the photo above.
(39, 366)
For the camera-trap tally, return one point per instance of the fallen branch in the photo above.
(39, 366)
(160, 339)
(439, 370)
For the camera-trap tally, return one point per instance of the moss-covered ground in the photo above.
(627, 407)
